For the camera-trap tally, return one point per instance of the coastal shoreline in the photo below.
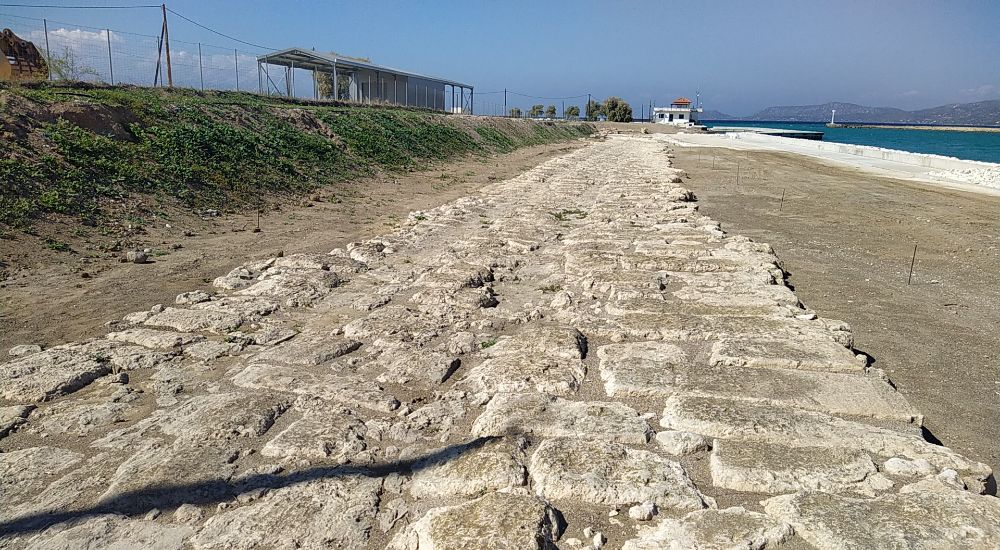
(970, 175)
(987, 129)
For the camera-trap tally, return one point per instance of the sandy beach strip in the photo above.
(982, 177)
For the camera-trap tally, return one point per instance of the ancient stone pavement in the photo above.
(573, 358)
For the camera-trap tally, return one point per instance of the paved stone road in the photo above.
(575, 357)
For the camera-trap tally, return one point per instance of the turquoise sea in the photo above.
(984, 146)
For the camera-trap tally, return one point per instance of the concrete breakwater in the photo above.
(575, 356)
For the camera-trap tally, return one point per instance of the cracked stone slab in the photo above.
(760, 422)
(819, 354)
(26, 472)
(728, 529)
(113, 532)
(13, 416)
(612, 474)
(517, 373)
(51, 373)
(430, 367)
(470, 470)
(331, 512)
(324, 432)
(193, 320)
(154, 339)
(308, 348)
(906, 520)
(501, 521)
(659, 369)
(545, 416)
(318, 382)
(774, 469)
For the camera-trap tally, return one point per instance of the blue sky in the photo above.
(742, 56)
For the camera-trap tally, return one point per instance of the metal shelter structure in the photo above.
(339, 77)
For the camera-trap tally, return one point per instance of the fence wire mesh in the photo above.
(90, 54)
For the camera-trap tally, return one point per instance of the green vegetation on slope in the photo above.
(78, 151)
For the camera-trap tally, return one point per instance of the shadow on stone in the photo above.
(170, 497)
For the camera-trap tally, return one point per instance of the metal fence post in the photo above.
(48, 52)
(236, 58)
(111, 63)
(201, 71)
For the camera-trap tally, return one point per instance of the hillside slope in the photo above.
(84, 151)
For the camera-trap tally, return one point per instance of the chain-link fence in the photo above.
(79, 52)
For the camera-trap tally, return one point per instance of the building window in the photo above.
(661, 115)
(680, 117)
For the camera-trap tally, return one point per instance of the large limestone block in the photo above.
(422, 367)
(658, 369)
(13, 416)
(191, 320)
(333, 511)
(324, 432)
(765, 468)
(760, 422)
(111, 532)
(500, 521)
(293, 287)
(729, 529)
(518, 373)
(155, 339)
(907, 520)
(611, 474)
(25, 472)
(51, 373)
(470, 470)
(320, 383)
(808, 352)
(545, 416)
(310, 347)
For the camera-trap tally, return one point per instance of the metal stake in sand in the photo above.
(912, 260)
(257, 229)
(782, 203)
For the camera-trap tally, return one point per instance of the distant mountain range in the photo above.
(981, 113)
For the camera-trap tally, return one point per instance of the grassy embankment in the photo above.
(80, 153)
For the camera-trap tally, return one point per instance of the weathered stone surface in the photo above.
(517, 373)
(429, 367)
(323, 432)
(907, 520)
(308, 348)
(330, 512)
(155, 339)
(745, 420)
(681, 443)
(766, 468)
(24, 349)
(544, 416)
(25, 472)
(192, 320)
(470, 470)
(12, 417)
(504, 521)
(657, 369)
(321, 383)
(819, 354)
(728, 529)
(53, 372)
(609, 473)
(113, 533)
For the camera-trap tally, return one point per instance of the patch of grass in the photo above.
(221, 150)
(485, 344)
(548, 289)
(58, 246)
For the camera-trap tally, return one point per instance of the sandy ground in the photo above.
(847, 236)
(53, 297)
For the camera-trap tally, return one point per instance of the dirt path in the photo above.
(52, 297)
(847, 238)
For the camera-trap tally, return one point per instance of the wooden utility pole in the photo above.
(166, 43)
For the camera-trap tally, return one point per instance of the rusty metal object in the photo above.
(21, 61)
